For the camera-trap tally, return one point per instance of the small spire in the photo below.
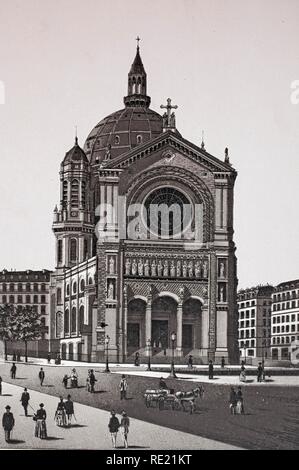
(226, 158)
(203, 140)
(138, 40)
(76, 135)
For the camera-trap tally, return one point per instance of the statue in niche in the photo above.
(140, 267)
(190, 268)
(146, 268)
(205, 292)
(154, 268)
(108, 153)
(125, 290)
(128, 266)
(160, 268)
(185, 269)
(222, 270)
(172, 269)
(134, 267)
(205, 269)
(181, 293)
(197, 269)
(138, 231)
(111, 265)
(178, 268)
(221, 294)
(165, 268)
(110, 293)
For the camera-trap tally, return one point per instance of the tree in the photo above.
(26, 325)
(7, 314)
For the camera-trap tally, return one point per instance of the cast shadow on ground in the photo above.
(131, 447)
(98, 391)
(250, 381)
(52, 438)
(47, 386)
(5, 395)
(16, 441)
(73, 426)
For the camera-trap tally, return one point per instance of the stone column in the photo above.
(179, 333)
(75, 351)
(125, 326)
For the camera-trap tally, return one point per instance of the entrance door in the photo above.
(133, 335)
(160, 334)
(187, 339)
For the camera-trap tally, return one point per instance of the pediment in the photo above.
(170, 149)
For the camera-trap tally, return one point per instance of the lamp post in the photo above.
(107, 339)
(172, 371)
(149, 354)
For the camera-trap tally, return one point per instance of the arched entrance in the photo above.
(164, 311)
(135, 325)
(191, 330)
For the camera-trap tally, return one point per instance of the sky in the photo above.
(229, 66)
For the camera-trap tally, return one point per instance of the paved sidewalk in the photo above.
(91, 429)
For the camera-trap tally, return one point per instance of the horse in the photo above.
(189, 397)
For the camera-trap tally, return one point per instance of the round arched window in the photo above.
(82, 285)
(168, 212)
(74, 287)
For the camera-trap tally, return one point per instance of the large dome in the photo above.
(121, 131)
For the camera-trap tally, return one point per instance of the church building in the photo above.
(145, 257)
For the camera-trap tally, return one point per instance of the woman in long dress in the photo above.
(40, 422)
(242, 374)
(60, 416)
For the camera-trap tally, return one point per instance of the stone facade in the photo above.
(149, 278)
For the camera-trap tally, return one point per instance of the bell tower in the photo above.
(72, 224)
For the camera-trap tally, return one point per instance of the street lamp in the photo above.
(149, 354)
(172, 371)
(107, 339)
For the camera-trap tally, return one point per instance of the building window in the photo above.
(74, 287)
(116, 140)
(58, 294)
(75, 194)
(20, 299)
(83, 194)
(73, 250)
(66, 321)
(81, 318)
(85, 249)
(82, 285)
(64, 193)
(28, 299)
(68, 289)
(74, 320)
(35, 299)
(4, 300)
(59, 251)
(43, 310)
(11, 299)
(139, 139)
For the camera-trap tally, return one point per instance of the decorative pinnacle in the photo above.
(138, 40)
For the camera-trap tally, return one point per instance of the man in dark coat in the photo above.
(92, 381)
(8, 423)
(113, 428)
(41, 376)
(69, 409)
(13, 371)
(259, 372)
(232, 401)
(25, 400)
(211, 370)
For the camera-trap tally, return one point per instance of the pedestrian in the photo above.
(259, 372)
(124, 426)
(69, 409)
(65, 380)
(40, 422)
(137, 360)
(222, 362)
(232, 401)
(8, 423)
(92, 381)
(0, 385)
(123, 386)
(190, 362)
(25, 397)
(211, 370)
(13, 371)
(60, 413)
(162, 384)
(240, 402)
(49, 358)
(113, 428)
(41, 376)
(243, 374)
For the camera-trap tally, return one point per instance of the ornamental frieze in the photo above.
(155, 267)
(152, 290)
